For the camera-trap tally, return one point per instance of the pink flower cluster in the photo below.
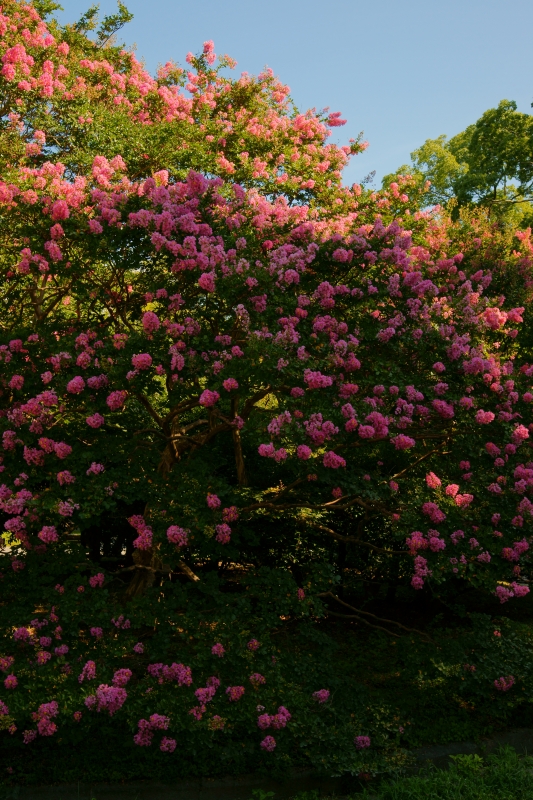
(333, 461)
(235, 692)
(22, 635)
(44, 716)
(362, 742)
(107, 698)
(433, 512)
(503, 593)
(142, 361)
(48, 534)
(95, 421)
(421, 572)
(175, 672)
(205, 695)
(178, 536)
(144, 539)
(515, 552)
(315, 380)
(116, 400)
(150, 322)
(268, 744)
(213, 501)
(276, 721)
(209, 398)
(433, 481)
(6, 662)
(147, 728)
(122, 677)
(402, 442)
(223, 533)
(88, 672)
(504, 684)
(269, 451)
(230, 514)
(121, 622)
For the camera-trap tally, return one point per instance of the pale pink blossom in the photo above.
(178, 536)
(208, 398)
(95, 420)
(362, 742)
(333, 461)
(48, 534)
(223, 533)
(484, 417)
(116, 400)
(403, 442)
(76, 385)
(206, 281)
(268, 744)
(150, 322)
(433, 481)
(142, 361)
(213, 501)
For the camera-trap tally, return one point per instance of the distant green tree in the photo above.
(489, 163)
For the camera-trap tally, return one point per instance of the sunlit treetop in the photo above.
(70, 93)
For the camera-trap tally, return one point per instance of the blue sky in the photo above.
(401, 70)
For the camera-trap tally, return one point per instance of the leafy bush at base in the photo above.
(274, 671)
(502, 776)
(399, 691)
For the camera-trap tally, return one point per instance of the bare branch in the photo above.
(353, 539)
(151, 430)
(414, 464)
(364, 621)
(153, 413)
(380, 619)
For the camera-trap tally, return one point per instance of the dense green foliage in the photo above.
(500, 776)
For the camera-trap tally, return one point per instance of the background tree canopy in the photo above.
(488, 164)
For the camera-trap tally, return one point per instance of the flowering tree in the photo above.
(68, 98)
(214, 388)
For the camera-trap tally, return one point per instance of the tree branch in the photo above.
(410, 466)
(380, 619)
(153, 413)
(353, 539)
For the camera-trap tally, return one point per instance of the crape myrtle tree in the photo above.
(68, 98)
(225, 377)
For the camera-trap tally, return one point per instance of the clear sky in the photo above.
(400, 70)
